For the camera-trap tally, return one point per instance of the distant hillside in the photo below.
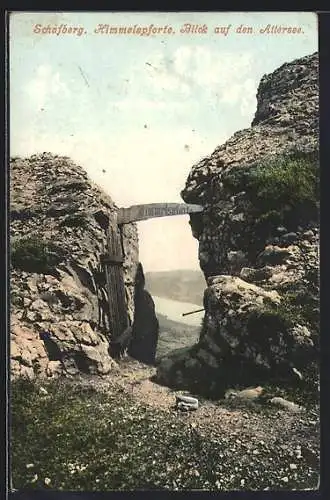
(184, 285)
(174, 335)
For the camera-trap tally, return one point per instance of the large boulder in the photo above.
(246, 337)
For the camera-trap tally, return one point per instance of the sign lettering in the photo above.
(151, 210)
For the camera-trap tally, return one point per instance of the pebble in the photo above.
(250, 394)
(186, 403)
(285, 404)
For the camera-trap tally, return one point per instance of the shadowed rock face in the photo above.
(246, 254)
(145, 327)
(59, 307)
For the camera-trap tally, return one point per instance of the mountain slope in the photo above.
(182, 285)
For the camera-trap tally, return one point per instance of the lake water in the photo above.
(173, 310)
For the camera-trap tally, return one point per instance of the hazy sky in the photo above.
(143, 108)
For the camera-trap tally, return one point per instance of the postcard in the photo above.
(164, 237)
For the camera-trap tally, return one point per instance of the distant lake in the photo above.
(173, 310)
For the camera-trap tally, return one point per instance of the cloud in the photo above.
(204, 73)
(243, 93)
(162, 75)
(142, 104)
(46, 84)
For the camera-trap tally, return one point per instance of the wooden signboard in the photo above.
(152, 210)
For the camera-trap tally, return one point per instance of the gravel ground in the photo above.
(261, 446)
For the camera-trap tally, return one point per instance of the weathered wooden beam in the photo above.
(118, 318)
(152, 210)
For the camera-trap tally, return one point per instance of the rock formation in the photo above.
(145, 327)
(59, 303)
(258, 242)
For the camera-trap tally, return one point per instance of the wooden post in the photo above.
(113, 262)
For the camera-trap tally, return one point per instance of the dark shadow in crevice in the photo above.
(145, 328)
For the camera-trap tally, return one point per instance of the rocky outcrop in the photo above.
(145, 327)
(286, 120)
(258, 242)
(59, 303)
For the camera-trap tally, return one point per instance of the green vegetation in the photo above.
(75, 437)
(295, 308)
(76, 220)
(173, 335)
(271, 321)
(281, 190)
(33, 254)
(284, 181)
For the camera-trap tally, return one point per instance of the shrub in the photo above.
(33, 254)
(270, 320)
(283, 189)
(294, 308)
(284, 181)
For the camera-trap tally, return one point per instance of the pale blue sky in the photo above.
(144, 109)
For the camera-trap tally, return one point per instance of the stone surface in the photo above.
(59, 303)
(286, 405)
(250, 329)
(250, 394)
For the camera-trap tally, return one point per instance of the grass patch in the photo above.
(296, 307)
(75, 220)
(271, 321)
(281, 190)
(77, 438)
(174, 335)
(35, 255)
